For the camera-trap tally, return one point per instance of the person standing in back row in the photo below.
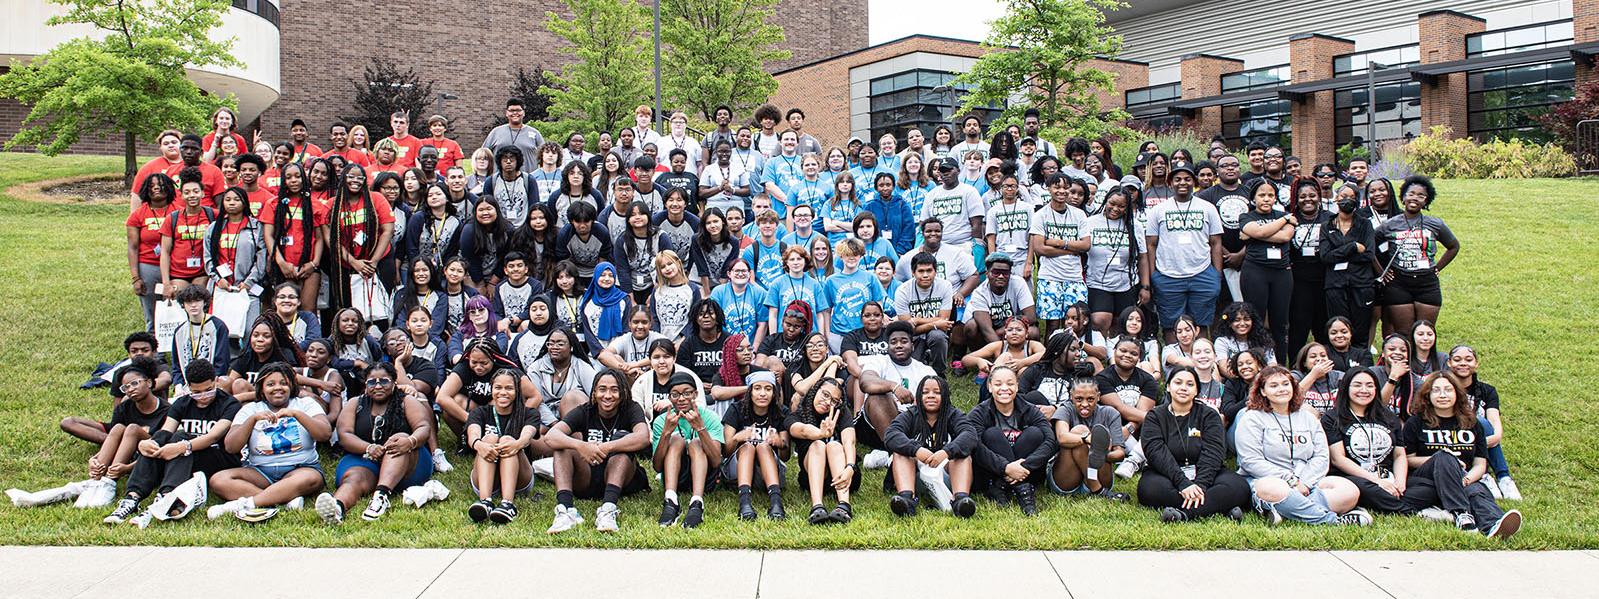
(515, 134)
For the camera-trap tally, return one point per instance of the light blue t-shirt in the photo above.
(844, 211)
(770, 265)
(848, 294)
(797, 238)
(782, 171)
(742, 311)
(282, 443)
(812, 193)
(914, 195)
(877, 249)
(787, 288)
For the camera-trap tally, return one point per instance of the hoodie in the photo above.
(984, 416)
(951, 432)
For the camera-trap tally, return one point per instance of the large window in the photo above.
(1260, 78)
(1397, 115)
(1265, 121)
(1146, 105)
(266, 9)
(1356, 63)
(904, 100)
(1505, 103)
(1519, 39)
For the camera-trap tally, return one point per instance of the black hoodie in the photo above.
(984, 416)
(950, 432)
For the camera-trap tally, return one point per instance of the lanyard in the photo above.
(194, 340)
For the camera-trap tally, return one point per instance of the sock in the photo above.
(671, 496)
(613, 493)
(342, 507)
(908, 495)
(564, 498)
(696, 499)
(743, 491)
(384, 490)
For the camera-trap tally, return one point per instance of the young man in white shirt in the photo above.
(886, 387)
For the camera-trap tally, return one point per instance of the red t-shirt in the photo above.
(449, 152)
(158, 165)
(210, 177)
(408, 147)
(322, 202)
(393, 167)
(214, 183)
(258, 198)
(271, 179)
(149, 222)
(188, 235)
(244, 146)
(354, 228)
(228, 246)
(306, 152)
(352, 156)
(293, 244)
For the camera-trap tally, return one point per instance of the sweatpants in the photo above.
(1025, 444)
(1228, 491)
(153, 474)
(1307, 315)
(1353, 303)
(1269, 290)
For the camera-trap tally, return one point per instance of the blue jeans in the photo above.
(1194, 296)
(1310, 509)
(1496, 454)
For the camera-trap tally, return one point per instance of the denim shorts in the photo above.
(276, 473)
(419, 474)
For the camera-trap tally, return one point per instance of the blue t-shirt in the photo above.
(799, 239)
(812, 193)
(782, 171)
(914, 195)
(771, 262)
(742, 312)
(281, 443)
(893, 287)
(840, 211)
(787, 288)
(848, 294)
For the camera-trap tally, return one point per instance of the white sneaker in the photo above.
(1493, 487)
(1127, 469)
(544, 468)
(228, 508)
(877, 459)
(1436, 514)
(375, 508)
(1507, 525)
(417, 496)
(437, 489)
(298, 503)
(142, 520)
(605, 517)
(441, 462)
(1507, 487)
(97, 493)
(21, 498)
(328, 508)
(565, 519)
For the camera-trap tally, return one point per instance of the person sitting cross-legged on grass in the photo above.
(1282, 452)
(1090, 438)
(499, 433)
(383, 433)
(932, 444)
(686, 440)
(139, 413)
(595, 445)
(1183, 441)
(1447, 451)
(177, 460)
(281, 430)
(822, 427)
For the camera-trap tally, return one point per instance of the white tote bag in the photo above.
(232, 307)
(368, 295)
(168, 317)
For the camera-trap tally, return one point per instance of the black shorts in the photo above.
(1413, 289)
(1112, 302)
(596, 488)
(865, 434)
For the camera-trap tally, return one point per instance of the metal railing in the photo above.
(1588, 147)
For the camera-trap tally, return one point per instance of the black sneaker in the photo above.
(1172, 514)
(819, 515)
(124, 510)
(775, 511)
(695, 515)
(902, 506)
(964, 506)
(1236, 514)
(1465, 521)
(999, 493)
(503, 513)
(746, 508)
(1098, 446)
(842, 513)
(669, 512)
(1107, 494)
(479, 510)
(1027, 497)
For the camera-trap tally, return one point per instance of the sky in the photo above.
(963, 19)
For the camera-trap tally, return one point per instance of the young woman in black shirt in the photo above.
(384, 433)
(823, 431)
(1364, 444)
(498, 434)
(1447, 450)
(1183, 441)
(757, 443)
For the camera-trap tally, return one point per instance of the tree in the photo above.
(1038, 51)
(719, 50)
(610, 74)
(529, 86)
(1561, 123)
(133, 80)
(384, 90)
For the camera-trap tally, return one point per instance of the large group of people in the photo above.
(674, 313)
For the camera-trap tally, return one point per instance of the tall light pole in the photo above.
(657, 66)
(1371, 108)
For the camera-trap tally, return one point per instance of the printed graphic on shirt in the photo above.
(1369, 445)
(1184, 220)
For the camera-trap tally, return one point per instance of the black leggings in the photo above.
(1269, 290)
(1025, 444)
(1228, 491)
(1307, 314)
(151, 474)
(1353, 303)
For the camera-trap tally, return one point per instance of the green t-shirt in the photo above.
(713, 427)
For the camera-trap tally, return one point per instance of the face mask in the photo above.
(1347, 206)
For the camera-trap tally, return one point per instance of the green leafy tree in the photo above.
(383, 90)
(610, 74)
(133, 80)
(1038, 52)
(719, 50)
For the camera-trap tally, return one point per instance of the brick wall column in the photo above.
(1585, 28)
(1201, 77)
(1310, 58)
(1443, 39)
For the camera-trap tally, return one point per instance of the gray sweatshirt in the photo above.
(1271, 445)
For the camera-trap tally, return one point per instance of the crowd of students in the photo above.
(683, 313)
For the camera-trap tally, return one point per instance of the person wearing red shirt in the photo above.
(385, 159)
(273, 177)
(182, 255)
(251, 167)
(320, 175)
(449, 151)
(155, 197)
(224, 125)
(168, 163)
(363, 230)
(225, 267)
(289, 227)
(211, 180)
(339, 138)
(406, 145)
(301, 148)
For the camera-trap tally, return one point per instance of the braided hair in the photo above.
(1127, 228)
(280, 214)
(369, 215)
(806, 410)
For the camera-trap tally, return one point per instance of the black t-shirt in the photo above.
(1264, 253)
(425, 371)
(477, 389)
(127, 413)
(195, 420)
(248, 364)
(1054, 388)
(791, 354)
(495, 423)
(1308, 267)
(685, 181)
(1128, 389)
(588, 426)
(766, 426)
(846, 419)
(1368, 442)
(701, 357)
(863, 346)
(1230, 204)
(1483, 397)
(1423, 441)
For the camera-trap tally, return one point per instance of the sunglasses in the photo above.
(379, 382)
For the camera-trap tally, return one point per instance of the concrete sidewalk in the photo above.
(62, 572)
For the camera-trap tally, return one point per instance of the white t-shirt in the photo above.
(1009, 225)
(955, 208)
(999, 307)
(954, 264)
(908, 376)
(632, 349)
(285, 442)
(690, 146)
(1068, 226)
(913, 301)
(1108, 265)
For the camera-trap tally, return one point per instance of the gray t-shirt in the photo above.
(1067, 226)
(525, 138)
(1108, 266)
(585, 254)
(1414, 243)
(999, 307)
(681, 235)
(1183, 230)
(1103, 415)
(672, 303)
(955, 208)
(913, 301)
(1009, 225)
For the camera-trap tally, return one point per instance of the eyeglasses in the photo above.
(131, 385)
(681, 395)
(1274, 156)
(477, 310)
(380, 382)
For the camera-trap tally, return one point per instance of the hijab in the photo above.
(609, 300)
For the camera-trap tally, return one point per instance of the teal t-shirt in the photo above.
(713, 427)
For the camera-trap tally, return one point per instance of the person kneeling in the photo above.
(687, 443)
(824, 437)
(177, 460)
(1090, 438)
(594, 444)
(381, 432)
(932, 444)
(499, 433)
(1183, 441)
(281, 429)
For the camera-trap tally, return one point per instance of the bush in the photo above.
(1435, 154)
(1124, 148)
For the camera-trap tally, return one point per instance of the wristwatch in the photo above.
(188, 448)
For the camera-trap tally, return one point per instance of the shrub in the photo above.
(1562, 120)
(1124, 148)
(1435, 154)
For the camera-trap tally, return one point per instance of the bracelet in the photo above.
(1393, 382)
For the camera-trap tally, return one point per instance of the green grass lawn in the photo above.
(1522, 291)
